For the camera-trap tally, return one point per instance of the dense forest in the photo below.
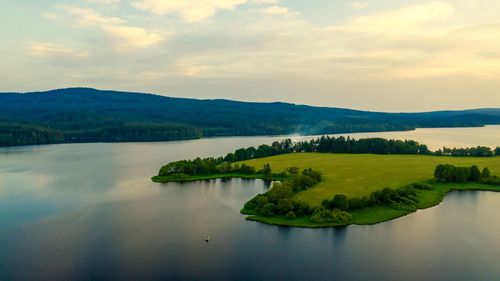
(84, 114)
(18, 134)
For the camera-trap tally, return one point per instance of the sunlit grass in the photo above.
(357, 175)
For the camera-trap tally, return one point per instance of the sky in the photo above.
(380, 55)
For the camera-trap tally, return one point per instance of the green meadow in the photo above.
(357, 175)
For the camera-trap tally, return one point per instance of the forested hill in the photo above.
(88, 115)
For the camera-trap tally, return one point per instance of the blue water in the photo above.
(90, 212)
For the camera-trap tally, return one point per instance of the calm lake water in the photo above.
(90, 212)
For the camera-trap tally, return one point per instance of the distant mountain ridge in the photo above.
(88, 115)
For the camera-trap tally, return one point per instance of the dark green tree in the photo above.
(486, 173)
(475, 173)
(340, 202)
(267, 172)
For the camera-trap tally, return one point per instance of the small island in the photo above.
(330, 182)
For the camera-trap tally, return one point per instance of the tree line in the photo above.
(20, 134)
(327, 144)
(479, 151)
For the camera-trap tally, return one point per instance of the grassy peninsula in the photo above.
(366, 181)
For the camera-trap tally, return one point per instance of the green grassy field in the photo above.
(356, 175)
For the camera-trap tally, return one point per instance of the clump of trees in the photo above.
(208, 166)
(451, 173)
(279, 199)
(402, 199)
(322, 215)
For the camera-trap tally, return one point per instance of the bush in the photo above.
(292, 171)
(284, 206)
(475, 173)
(340, 202)
(326, 203)
(267, 172)
(245, 169)
(422, 186)
(491, 181)
(301, 208)
(486, 173)
(279, 191)
(313, 174)
(356, 203)
(322, 215)
(268, 210)
(291, 215)
(341, 217)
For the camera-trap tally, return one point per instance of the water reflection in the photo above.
(90, 212)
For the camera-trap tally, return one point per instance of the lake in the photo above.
(90, 212)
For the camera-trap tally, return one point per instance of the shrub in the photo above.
(356, 203)
(422, 186)
(245, 169)
(267, 172)
(313, 174)
(292, 171)
(341, 217)
(301, 208)
(268, 210)
(491, 181)
(279, 191)
(291, 215)
(284, 206)
(325, 203)
(340, 202)
(321, 215)
(486, 172)
(475, 173)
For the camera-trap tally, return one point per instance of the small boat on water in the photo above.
(207, 238)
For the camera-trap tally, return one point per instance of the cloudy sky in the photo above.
(390, 55)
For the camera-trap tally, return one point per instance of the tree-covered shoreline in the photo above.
(90, 115)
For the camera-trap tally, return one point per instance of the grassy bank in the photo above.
(374, 215)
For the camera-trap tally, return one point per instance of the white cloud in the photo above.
(105, 2)
(265, 1)
(278, 10)
(125, 37)
(404, 20)
(188, 10)
(359, 5)
(134, 36)
(413, 42)
(48, 50)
